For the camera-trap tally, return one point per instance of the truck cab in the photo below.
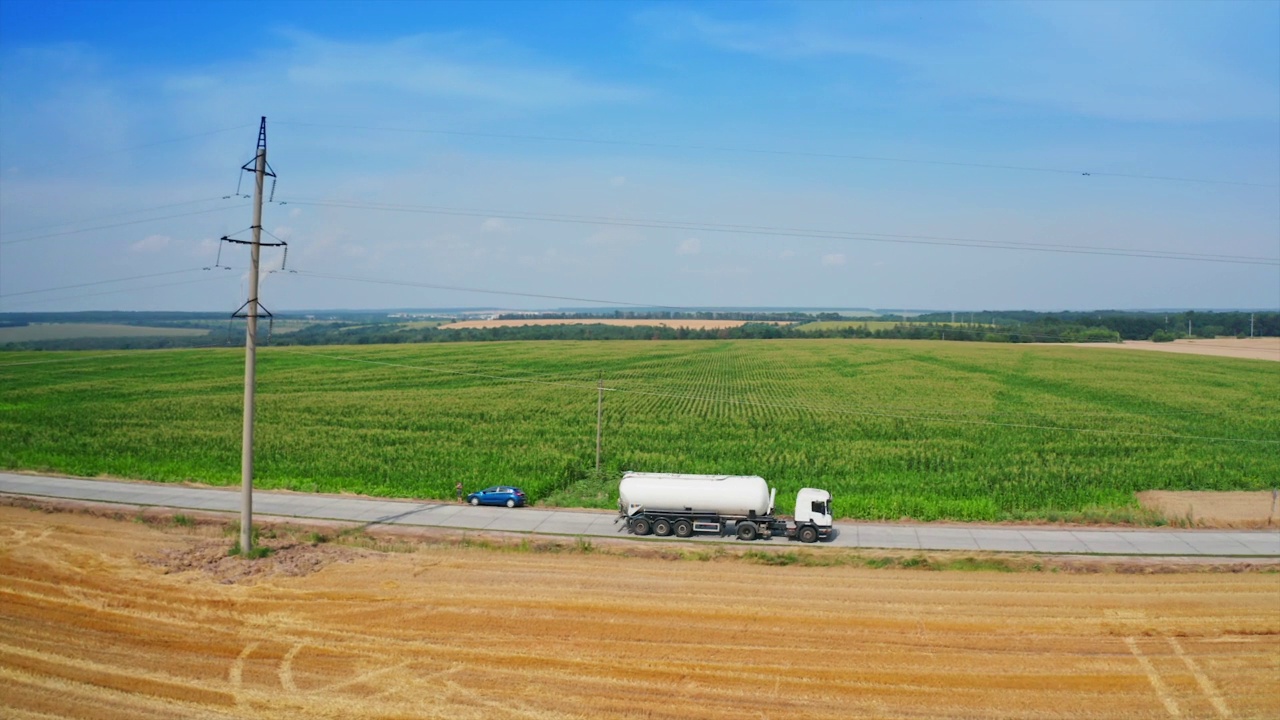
(813, 509)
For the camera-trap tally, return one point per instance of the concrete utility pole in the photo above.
(251, 348)
(599, 419)
(1250, 324)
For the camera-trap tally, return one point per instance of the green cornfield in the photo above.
(925, 430)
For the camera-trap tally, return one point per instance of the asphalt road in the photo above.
(1166, 542)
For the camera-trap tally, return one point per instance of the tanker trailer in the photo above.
(681, 505)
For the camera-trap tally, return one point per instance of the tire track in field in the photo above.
(1162, 690)
(22, 538)
(1134, 621)
(1207, 687)
(131, 680)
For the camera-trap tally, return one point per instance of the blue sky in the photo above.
(752, 115)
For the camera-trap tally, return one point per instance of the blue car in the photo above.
(498, 495)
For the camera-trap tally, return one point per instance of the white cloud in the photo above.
(717, 272)
(692, 246)
(618, 181)
(789, 39)
(786, 254)
(206, 248)
(151, 244)
(833, 259)
(493, 225)
(295, 213)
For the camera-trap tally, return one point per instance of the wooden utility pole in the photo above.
(251, 348)
(599, 419)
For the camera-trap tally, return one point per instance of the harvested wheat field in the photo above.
(689, 324)
(1222, 509)
(1262, 348)
(111, 618)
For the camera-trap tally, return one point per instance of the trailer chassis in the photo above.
(685, 523)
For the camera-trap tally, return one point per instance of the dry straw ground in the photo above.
(104, 618)
(1238, 509)
(1264, 348)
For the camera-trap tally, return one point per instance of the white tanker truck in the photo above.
(681, 505)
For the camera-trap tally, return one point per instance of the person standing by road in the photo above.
(457, 490)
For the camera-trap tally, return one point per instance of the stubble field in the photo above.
(91, 626)
(926, 430)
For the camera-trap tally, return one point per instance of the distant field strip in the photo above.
(894, 429)
(691, 324)
(65, 331)
(1263, 348)
(874, 325)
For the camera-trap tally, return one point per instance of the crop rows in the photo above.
(893, 429)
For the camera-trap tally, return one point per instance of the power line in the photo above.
(1064, 340)
(798, 406)
(100, 282)
(96, 218)
(83, 355)
(62, 360)
(697, 387)
(574, 381)
(457, 288)
(793, 232)
(113, 292)
(141, 146)
(790, 153)
(123, 224)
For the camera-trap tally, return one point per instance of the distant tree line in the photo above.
(743, 315)
(374, 328)
(1130, 325)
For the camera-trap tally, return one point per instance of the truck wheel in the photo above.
(662, 526)
(684, 528)
(641, 526)
(747, 531)
(808, 534)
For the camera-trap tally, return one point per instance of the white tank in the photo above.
(723, 494)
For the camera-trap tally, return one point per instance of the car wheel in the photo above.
(511, 502)
(684, 528)
(475, 501)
